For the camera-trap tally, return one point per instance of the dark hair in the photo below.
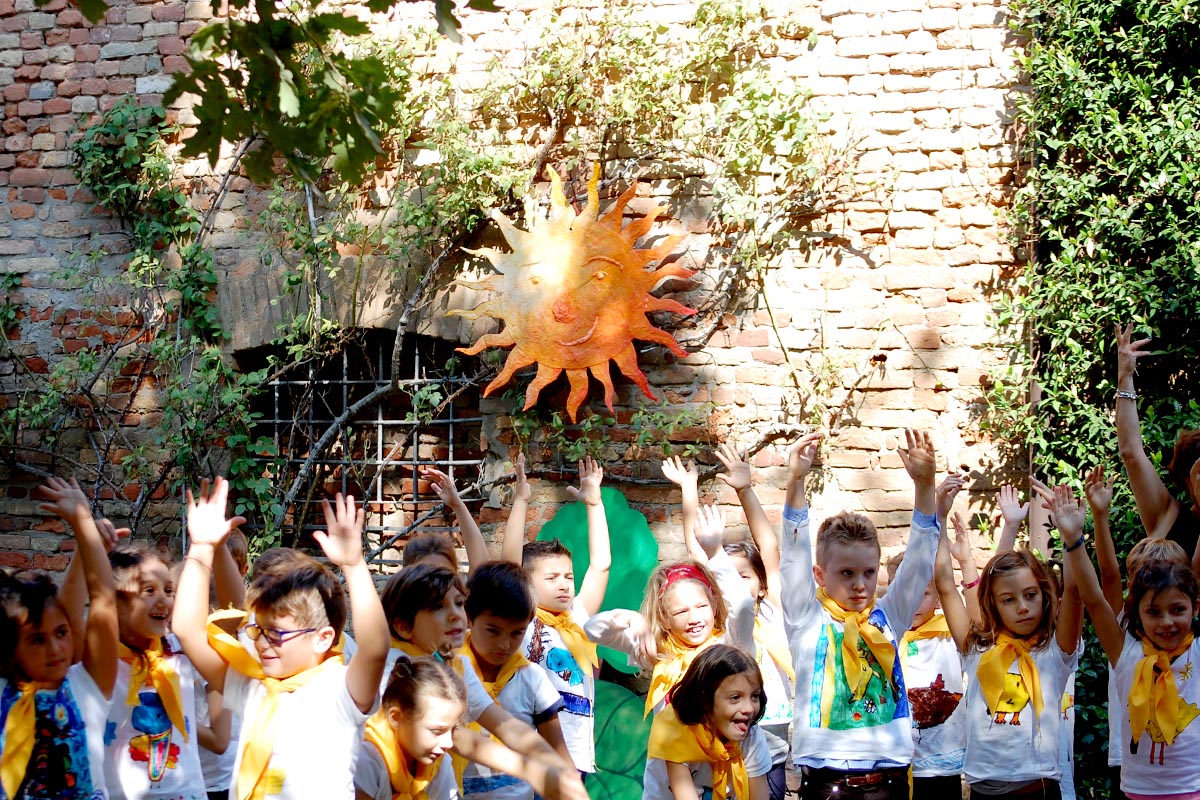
(1152, 578)
(692, 697)
(239, 548)
(126, 559)
(984, 636)
(749, 551)
(412, 680)
(501, 588)
(1185, 454)
(301, 586)
(272, 558)
(428, 544)
(24, 597)
(534, 551)
(414, 589)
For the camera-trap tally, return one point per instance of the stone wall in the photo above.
(890, 315)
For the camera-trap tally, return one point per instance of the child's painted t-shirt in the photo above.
(1150, 765)
(830, 728)
(67, 762)
(1008, 744)
(530, 697)
(544, 646)
(933, 679)
(146, 755)
(755, 755)
(318, 733)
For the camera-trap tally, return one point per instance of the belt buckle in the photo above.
(866, 779)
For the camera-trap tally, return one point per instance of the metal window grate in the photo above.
(379, 448)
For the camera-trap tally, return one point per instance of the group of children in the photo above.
(199, 683)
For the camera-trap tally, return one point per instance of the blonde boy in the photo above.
(555, 640)
(852, 723)
(303, 710)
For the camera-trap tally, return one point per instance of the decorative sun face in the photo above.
(574, 294)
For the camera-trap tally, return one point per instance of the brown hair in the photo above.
(749, 551)
(24, 597)
(1149, 549)
(419, 588)
(302, 587)
(844, 529)
(412, 680)
(984, 635)
(692, 697)
(1154, 577)
(654, 609)
(126, 559)
(1185, 454)
(532, 552)
(421, 546)
(239, 548)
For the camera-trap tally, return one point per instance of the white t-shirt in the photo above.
(576, 685)
(830, 728)
(1066, 748)
(776, 683)
(478, 699)
(530, 697)
(371, 777)
(1015, 751)
(318, 733)
(146, 756)
(755, 755)
(934, 679)
(217, 767)
(1149, 767)
(78, 712)
(1116, 725)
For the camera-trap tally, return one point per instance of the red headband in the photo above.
(682, 572)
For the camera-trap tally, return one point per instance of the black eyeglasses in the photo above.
(274, 636)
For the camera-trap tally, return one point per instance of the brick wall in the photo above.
(894, 306)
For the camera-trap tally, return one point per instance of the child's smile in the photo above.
(690, 612)
(1166, 617)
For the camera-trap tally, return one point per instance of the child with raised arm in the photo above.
(303, 710)
(57, 674)
(853, 724)
(555, 640)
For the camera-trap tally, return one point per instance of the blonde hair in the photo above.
(1149, 549)
(844, 530)
(654, 607)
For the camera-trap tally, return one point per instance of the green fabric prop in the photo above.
(621, 736)
(634, 551)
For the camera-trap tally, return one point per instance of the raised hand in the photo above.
(1099, 491)
(521, 488)
(802, 454)
(1128, 351)
(1066, 512)
(342, 538)
(960, 548)
(110, 534)
(206, 521)
(683, 475)
(920, 460)
(443, 486)
(737, 475)
(67, 500)
(1012, 510)
(591, 475)
(710, 529)
(947, 490)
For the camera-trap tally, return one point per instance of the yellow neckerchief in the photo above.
(150, 666)
(405, 785)
(582, 649)
(767, 638)
(259, 740)
(671, 740)
(455, 663)
(994, 664)
(508, 669)
(20, 731)
(671, 669)
(935, 627)
(856, 628)
(1154, 695)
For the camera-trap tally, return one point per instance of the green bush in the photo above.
(1111, 205)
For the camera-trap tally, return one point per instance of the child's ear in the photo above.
(819, 575)
(323, 640)
(400, 629)
(395, 714)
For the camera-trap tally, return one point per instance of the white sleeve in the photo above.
(800, 604)
(478, 699)
(905, 593)
(444, 785)
(237, 691)
(602, 629)
(371, 775)
(739, 625)
(542, 694)
(756, 754)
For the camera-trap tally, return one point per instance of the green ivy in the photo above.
(1110, 208)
